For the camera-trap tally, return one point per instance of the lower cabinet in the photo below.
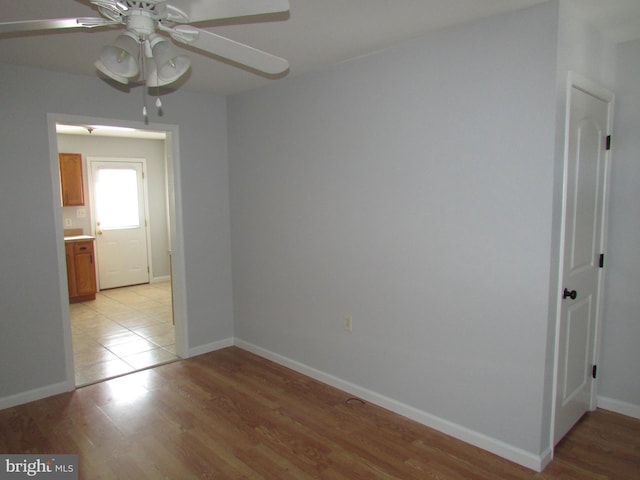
(81, 271)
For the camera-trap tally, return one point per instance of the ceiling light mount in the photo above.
(141, 22)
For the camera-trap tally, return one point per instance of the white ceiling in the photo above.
(317, 33)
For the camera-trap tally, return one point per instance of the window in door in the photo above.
(117, 198)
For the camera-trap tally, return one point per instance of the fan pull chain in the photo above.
(144, 54)
(158, 101)
(143, 70)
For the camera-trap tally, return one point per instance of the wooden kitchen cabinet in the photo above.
(71, 182)
(81, 270)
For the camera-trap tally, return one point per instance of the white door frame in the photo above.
(176, 239)
(580, 82)
(145, 200)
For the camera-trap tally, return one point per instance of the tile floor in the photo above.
(123, 330)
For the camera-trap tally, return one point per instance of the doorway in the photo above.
(168, 290)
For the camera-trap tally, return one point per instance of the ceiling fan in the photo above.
(143, 52)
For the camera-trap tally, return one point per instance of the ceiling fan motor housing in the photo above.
(140, 17)
(141, 23)
(117, 8)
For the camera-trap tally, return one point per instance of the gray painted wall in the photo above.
(620, 358)
(153, 151)
(31, 313)
(412, 189)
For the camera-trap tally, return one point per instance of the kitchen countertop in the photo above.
(79, 238)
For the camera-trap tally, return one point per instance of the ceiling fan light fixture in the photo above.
(120, 60)
(168, 64)
(140, 54)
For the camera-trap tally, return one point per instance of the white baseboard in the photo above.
(545, 459)
(618, 406)
(527, 459)
(210, 347)
(164, 278)
(36, 394)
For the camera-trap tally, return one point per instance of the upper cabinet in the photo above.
(71, 179)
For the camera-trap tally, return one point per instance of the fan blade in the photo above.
(230, 49)
(203, 10)
(54, 24)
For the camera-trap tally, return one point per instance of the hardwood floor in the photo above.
(232, 415)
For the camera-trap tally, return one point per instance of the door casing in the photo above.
(176, 238)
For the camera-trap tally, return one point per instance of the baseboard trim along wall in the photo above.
(165, 278)
(36, 394)
(210, 347)
(618, 406)
(502, 449)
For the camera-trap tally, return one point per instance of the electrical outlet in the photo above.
(67, 222)
(348, 323)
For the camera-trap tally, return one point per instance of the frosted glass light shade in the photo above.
(168, 64)
(120, 60)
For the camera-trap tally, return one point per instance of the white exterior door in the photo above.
(586, 171)
(119, 213)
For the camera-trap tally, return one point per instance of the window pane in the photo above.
(117, 198)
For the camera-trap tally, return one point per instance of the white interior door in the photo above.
(120, 222)
(585, 192)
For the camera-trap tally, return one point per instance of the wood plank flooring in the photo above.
(232, 415)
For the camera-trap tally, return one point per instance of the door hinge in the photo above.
(594, 371)
(608, 145)
(601, 262)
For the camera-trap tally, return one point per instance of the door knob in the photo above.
(573, 294)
